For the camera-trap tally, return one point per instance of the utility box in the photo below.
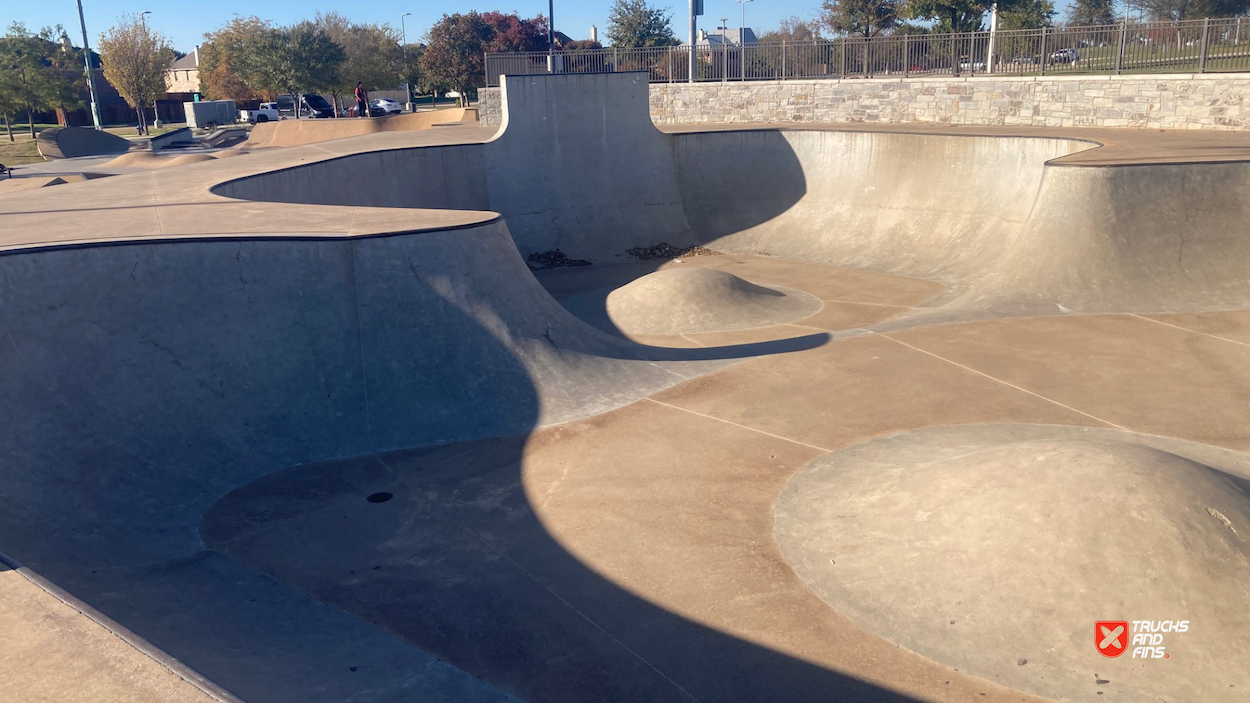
(211, 114)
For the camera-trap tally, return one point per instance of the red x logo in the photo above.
(1111, 637)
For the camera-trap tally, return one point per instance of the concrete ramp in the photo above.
(297, 132)
(578, 166)
(71, 142)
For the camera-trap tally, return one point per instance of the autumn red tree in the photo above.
(510, 32)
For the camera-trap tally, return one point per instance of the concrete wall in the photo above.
(1211, 101)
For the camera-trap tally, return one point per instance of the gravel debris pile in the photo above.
(539, 261)
(664, 250)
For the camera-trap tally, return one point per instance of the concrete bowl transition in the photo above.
(304, 426)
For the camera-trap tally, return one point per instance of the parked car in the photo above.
(266, 113)
(311, 105)
(966, 65)
(1065, 56)
(1025, 59)
(386, 105)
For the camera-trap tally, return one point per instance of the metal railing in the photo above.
(1193, 46)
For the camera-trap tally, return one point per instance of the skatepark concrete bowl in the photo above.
(217, 373)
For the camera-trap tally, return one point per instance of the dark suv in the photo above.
(312, 105)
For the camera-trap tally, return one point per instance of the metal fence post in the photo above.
(616, 61)
(954, 54)
(1119, 52)
(842, 57)
(906, 58)
(1043, 56)
(1202, 52)
(670, 65)
(783, 59)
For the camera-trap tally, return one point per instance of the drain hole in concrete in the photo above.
(379, 497)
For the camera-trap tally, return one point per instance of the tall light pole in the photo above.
(742, 39)
(86, 50)
(696, 9)
(551, 36)
(403, 28)
(143, 17)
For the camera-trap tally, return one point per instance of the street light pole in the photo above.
(551, 36)
(86, 50)
(742, 39)
(403, 28)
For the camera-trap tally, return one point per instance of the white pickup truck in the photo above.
(267, 112)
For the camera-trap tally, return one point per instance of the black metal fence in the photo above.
(1194, 46)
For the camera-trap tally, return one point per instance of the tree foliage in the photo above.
(1091, 12)
(634, 23)
(1027, 14)
(866, 18)
(372, 53)
(134, 59)
(1193, 9)
(37, 73)
(509, 32)
(953, 15)
(793, 29)
(220, 55)
(453, 57)
(297, 59)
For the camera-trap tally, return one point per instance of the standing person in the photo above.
(362, 101)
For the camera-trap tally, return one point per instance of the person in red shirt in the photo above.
(362, 101)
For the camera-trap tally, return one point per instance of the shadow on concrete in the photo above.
(170, 375)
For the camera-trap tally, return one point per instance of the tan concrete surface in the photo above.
(299, 132)
(1107, 147)
(1124, 370)
(51, 653)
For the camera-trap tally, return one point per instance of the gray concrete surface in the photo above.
(71, 142)
(996, 548)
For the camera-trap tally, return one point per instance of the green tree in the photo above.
(1194, 9)
(37, 73)
(372, 54)
(294, 60)
(1091, 12)
(634, 23)
(134, 59)
(453, 56)
(953, 15)
(1028, 14)
(866, 18)
(221, 52)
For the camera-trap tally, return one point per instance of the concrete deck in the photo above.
(202, 423)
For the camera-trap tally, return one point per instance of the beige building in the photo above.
(183, 75)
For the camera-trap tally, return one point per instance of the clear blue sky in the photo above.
(185, 22)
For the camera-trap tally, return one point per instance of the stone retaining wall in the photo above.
(1210, 101)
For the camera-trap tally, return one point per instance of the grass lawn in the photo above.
(22, 151)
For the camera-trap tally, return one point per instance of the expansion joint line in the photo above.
(1186, 329)
(999, 380)
(745, 427)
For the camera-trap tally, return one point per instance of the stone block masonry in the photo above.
(1213, 101)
